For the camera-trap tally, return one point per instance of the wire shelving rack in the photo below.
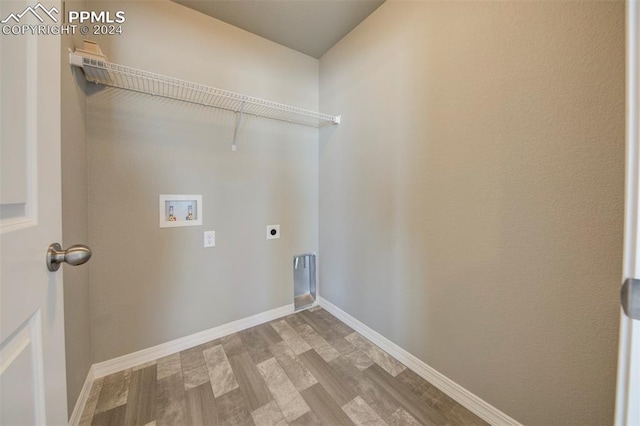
(123, 77)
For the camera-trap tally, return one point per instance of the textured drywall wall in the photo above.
(471, 202)
(152, 285)
(77, 321)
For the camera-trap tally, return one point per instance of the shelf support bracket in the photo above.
(238, 122)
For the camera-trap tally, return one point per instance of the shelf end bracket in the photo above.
(75, 59)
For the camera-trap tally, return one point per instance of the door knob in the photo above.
(75, 255)
(630, 298)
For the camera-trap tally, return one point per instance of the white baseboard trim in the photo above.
(131, 360)
(473, 403)
(123, 362)
(467, 399)
(82, 398)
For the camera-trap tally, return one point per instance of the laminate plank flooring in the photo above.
(325, 407)
(377, 397)
(269, 415)
(114, 392)
(305, 369)
(221, 375)
(383, 359)
(92, 401)
(353, 354)
(321, 346)
(257, 341)
(325, 324)
(171, 404)
(409, 400)
(201, 406)
(291, 364)
(232, 345)
(401, 418)
(233, 410)
(328, 377)
(141, 401)
(194, 368)
(252, 386)
(286, 395)
(308, 419)
(169, 365)
(361, 413)
(112, 417)
(289, 335)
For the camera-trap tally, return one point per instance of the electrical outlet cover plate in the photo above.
(209, 239)
(273, 232)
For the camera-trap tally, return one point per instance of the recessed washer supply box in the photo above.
(180, 210)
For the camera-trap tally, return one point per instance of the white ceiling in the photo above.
(308, 26)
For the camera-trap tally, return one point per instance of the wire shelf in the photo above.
(123, 77)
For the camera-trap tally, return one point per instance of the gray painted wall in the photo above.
(75, 218)
(152, 285)
(471, 203)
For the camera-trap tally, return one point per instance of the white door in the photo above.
(628, 389)
(32, 361)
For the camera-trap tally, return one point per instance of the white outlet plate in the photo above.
(209, 239)
(270, 234)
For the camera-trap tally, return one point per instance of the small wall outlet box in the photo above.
(209, 239)
(273, 232)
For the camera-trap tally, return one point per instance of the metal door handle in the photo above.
(630, 298)
(75, 255)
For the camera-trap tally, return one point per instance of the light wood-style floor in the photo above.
(305, 369)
